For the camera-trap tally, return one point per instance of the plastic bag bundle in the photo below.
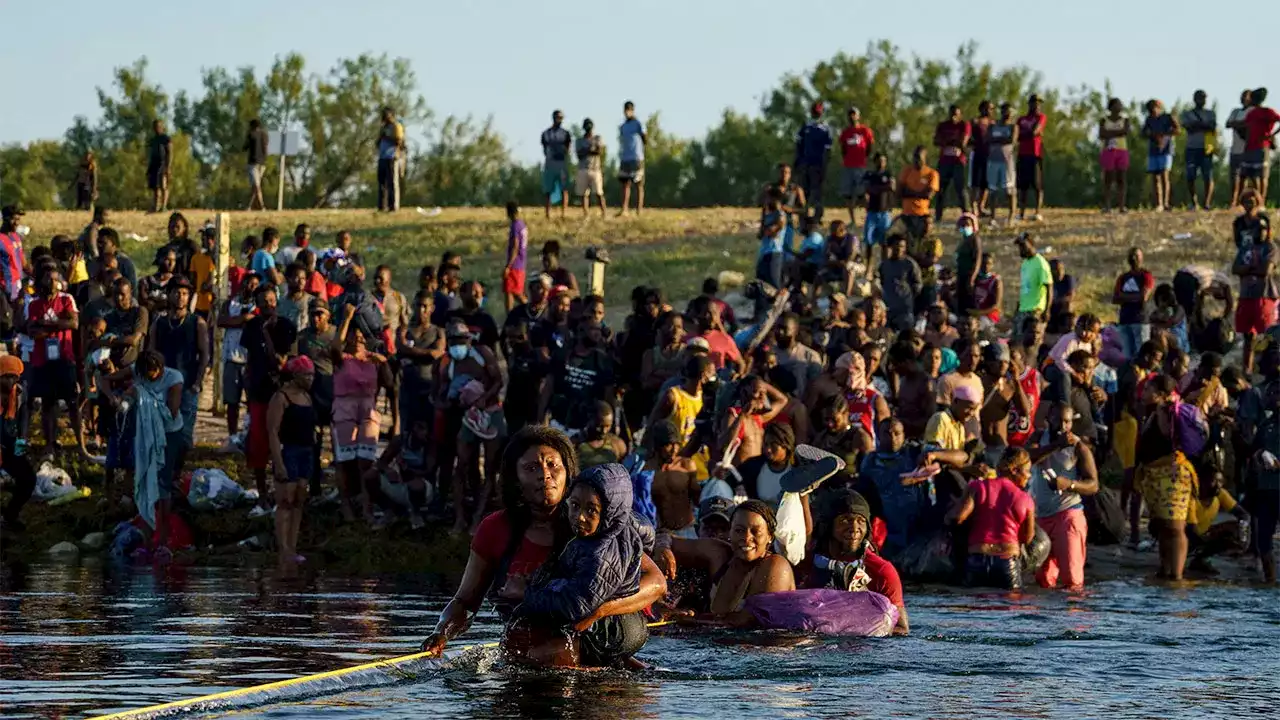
(825, 611)
(790, 536)
(212, 489)
(1036, 552)
(52, 482)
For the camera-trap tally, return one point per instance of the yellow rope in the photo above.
(388, 665)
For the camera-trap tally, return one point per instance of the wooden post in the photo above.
(221, 291)
(595, 280)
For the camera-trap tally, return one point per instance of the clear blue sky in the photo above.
(690, 59)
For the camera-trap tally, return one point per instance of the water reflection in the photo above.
(80, 639)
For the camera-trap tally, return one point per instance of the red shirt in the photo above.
(61, 306)
(490, 541)
(951, 137)
(723, 348)
(235, 275)
(726, 311)
(1021, 428)
(316, 285)
(1259, 122)
(854, 144)
(1029, 144)
(884, 578)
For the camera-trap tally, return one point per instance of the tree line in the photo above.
(465, 161)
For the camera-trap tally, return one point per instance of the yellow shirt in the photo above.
(1206, 514)
(944, 432)
(78, 272)
(202, 268)
(684, 411)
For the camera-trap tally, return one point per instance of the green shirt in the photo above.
(1036, 284)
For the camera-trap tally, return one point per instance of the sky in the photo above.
(690, 59)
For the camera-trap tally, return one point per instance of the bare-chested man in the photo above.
(916, 400)
(675, 488)
(1004, 393)
(756, 404)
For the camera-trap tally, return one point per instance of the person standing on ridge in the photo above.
(951, 136)
(1031, 156)
(390, 143)
(1201, 125)
(159, 153)
(556, 142)
(631, 143)
(856, 141)
(813, 145)
(255, 145)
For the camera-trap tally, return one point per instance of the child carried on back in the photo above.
(600, 563)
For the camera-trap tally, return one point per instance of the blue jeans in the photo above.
(876, 228)
(190, 401)
(769, 268)
(1132, 336)
(994, 572)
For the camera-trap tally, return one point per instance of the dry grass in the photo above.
(676, 249)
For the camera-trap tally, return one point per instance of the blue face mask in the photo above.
(966, 231)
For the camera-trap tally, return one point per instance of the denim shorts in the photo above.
(876, 228)
(1159, 163)
(1199, 164)
(297, 461)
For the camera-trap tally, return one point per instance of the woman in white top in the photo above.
(1113, 131)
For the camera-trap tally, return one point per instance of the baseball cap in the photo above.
(457, 329)
(715, 506)
(700, 343)
(995, 352)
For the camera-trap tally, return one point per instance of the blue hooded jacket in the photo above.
(592, 570)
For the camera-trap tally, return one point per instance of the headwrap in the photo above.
(11, 365)
(856, 366)
(299, 365)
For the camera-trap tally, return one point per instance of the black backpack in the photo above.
(1106, 517)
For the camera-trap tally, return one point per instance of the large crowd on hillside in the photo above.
(963, 414)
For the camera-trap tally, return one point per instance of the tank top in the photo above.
(1019, 426)
(1000, 138)
(1115, 143)
(684, 411)
(1048, 500)
(591, 456)
(298, 425)
(862, 410)
(178, 345)
(984, 292)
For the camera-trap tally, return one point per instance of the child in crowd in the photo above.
(1169, 318)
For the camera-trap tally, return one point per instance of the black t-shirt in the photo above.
(551, 335)
(419, 372)
(879, 195)
(525, 371)
(158, 152)
(263, 370)
(1245, 229)
(580, 382)
(482, 325)
(526, 314)
(256, 145)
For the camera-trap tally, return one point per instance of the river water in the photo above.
(81, 640)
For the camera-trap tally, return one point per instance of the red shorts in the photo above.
(257, 447)
(1255, 315)
(513, 281)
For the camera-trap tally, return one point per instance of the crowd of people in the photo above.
(966, 422)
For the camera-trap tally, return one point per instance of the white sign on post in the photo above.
(284, 143)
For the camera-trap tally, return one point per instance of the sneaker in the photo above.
(260, 511)
(1147, 545)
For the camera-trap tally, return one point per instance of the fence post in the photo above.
(221, 291)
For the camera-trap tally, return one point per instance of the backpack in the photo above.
(1105, 516)
(1191, 430)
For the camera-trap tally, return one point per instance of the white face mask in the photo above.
(458, 352)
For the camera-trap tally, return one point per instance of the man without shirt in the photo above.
(675, 488)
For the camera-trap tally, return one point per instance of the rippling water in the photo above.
(77, 641)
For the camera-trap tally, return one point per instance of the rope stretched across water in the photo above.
(380, 672)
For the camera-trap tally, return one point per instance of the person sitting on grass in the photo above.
(601, 563)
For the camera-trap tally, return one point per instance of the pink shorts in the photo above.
(356, 424)
(1067, 533)
(1114, 160)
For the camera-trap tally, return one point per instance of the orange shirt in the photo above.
(917, 180)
